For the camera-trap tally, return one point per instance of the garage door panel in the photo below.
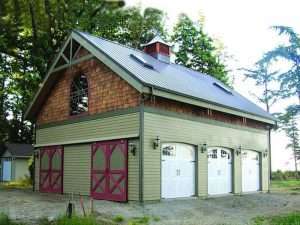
(219, 171)
(250, 171)
(109, 170)
(51, 169)
(178, 170)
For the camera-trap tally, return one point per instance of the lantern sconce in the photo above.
(238, 151)
(36, 154)
(265, 154)
(156, 142)
(203, 148)
(132, 148)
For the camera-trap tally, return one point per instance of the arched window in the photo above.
(79, 95)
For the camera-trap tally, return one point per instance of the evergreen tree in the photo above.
(196, 49)
(289, 123)
(290, 79)
(263, 77)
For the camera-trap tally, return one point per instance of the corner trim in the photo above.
(141, 158)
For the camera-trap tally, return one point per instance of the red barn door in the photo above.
(109, 170)
(51, 169)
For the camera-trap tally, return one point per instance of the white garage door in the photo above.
(178, 170)
(250, 171)
(6, 170)
(219, 171)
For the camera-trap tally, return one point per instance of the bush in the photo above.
(21, 183)
(287, 175)
(5, 220)
(31, 168)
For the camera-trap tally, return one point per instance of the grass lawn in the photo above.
(286, 186)
(80, 220)
(288, 219)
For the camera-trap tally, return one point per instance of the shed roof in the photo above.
(18, 150)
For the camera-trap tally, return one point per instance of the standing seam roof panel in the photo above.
(175, 78)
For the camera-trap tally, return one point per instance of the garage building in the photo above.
(120, 124)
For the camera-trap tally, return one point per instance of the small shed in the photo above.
(14, 161)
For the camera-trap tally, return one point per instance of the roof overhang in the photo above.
(95, 52)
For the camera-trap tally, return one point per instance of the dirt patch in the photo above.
(233, 210)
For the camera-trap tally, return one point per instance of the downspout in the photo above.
(270, 158)
(34, 156)
(141, 155)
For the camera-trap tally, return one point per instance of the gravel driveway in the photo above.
(29, 206)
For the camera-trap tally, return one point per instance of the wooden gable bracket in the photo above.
(71, 58)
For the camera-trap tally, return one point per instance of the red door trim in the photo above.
(51, 151)
(111, 183)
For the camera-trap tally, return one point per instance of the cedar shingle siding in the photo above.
(107, 92)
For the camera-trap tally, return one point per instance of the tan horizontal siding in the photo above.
(77, 169)
(37, 174)
(172, 129)
(133, 172)
(122, 125)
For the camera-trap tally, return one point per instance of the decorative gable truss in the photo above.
(69, 55)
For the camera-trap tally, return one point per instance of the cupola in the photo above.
(158, 49)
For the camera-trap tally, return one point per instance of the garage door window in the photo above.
(169, 150)
(219, 171)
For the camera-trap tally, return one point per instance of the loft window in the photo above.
(79, 95)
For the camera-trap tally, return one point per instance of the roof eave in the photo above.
(158, 91)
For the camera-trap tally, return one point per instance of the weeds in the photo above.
(22, 183)
(118, 219)
(5, 220)
(288, 219)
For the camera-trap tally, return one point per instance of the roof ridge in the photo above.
(108, 40)
(142, 52)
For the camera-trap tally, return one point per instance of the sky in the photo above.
(243, 26)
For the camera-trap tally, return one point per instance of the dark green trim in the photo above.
(197, 149)
(73, 62)
(90, 117)
(198, 119)
(141, 158)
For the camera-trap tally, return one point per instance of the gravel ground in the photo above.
(234, 210)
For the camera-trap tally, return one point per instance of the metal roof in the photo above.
(175, 78)
(157, 38)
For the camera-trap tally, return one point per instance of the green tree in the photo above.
(133, 27)
(196, 50)
(289, 123)
(290, 79)
(263, 77)
(32, 32)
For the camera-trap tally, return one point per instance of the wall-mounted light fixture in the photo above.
(132, 148)
(265, 154)
(238, 151)
(203, 148)
(156, 142)
(36, 154)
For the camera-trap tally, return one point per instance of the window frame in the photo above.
(78, 74)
